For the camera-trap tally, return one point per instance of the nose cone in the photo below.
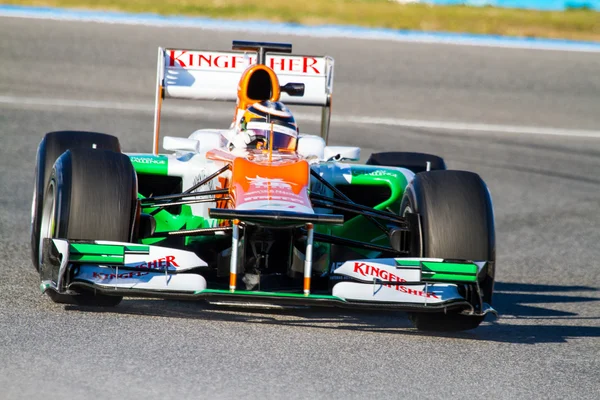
(265, 186)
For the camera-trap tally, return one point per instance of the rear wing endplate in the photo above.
(214, 75)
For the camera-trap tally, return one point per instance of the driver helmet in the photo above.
(266, 121)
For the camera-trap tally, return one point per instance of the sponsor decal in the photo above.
(407, 290)
(125, 275)
(275, 183)
(232, 61)
(332, 275)
(282, 205)
(382, 172)
(380, 273)
(373, 173)
(365, 269)
(272, 189)
(148, 160)
(159, 264)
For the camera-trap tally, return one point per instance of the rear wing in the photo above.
(214, 75)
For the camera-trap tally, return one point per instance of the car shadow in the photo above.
(530, 314)
(535, 313)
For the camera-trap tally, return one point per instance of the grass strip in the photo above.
(572, 24)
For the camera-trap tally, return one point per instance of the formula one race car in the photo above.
(285, 220)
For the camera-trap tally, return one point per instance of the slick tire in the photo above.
(457, 222)
(91, 195)
(50, 148)
(416, 162)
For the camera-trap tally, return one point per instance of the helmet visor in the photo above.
(283, 138)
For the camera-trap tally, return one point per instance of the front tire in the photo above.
(50, 148)
(91, 195)
(457, 222)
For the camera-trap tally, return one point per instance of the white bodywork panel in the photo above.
(416, 294)
(111, 277)
(214, 75)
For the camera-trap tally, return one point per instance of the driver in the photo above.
(263, 121)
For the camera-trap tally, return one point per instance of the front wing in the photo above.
(128, 269)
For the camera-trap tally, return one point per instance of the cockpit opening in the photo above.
(260, 86)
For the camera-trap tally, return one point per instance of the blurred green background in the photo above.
(571, 24)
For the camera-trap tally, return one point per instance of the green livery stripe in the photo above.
(447, 271)
(268, 294)
(96, 249)
(165, 221)
(448, 277)
(103, 253)
(137, 249)
(369, 178)
(408, 263)
(453, 268)
(96, 258)
(443, 271)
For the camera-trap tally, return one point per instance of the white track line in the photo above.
(469, 126)
(338, 119)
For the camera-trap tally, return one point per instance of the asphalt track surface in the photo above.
(59, 75)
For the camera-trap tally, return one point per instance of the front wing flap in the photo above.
(119, 267)
(128, 269)
(423, 282)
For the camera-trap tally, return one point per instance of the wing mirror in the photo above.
(342, 153)
(293, 89)
(311, 146)
(171, 143)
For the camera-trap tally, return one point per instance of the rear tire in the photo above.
(416, 162)
(93, 195)
(50, 148)
(457, 222)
